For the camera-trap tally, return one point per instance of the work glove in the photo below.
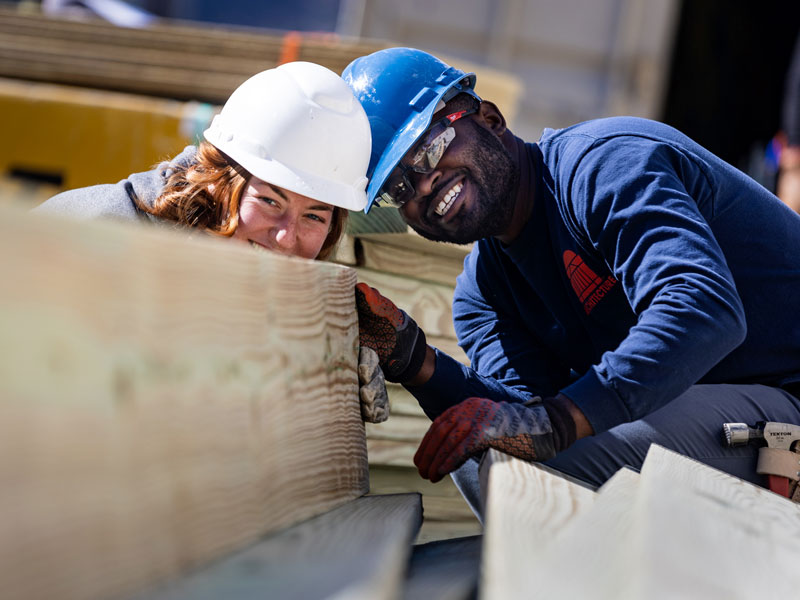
(467, 429)
(372, 387)
(391, 333)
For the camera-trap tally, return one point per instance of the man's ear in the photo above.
(493, 118)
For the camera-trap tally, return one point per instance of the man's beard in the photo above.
(495, 175)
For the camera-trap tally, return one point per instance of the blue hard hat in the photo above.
(400, 89)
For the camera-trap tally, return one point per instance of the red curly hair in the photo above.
(205, 195)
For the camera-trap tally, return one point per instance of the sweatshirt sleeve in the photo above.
(645, 207)
(495, 343)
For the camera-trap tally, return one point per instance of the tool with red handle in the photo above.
(779, 456)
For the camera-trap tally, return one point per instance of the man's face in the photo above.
(469, 195)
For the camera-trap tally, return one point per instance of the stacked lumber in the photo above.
(164, 400)
(678, 529)
(168, 59)
(419, 276)
(358, 551)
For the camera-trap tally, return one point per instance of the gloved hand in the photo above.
(391, 333)
(477, 424)
(372, 387)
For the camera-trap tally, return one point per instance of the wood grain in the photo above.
(704, 533)
(526, 507)
(410, 240)
(400, 428)
(679, 530)
(429, 304)
(380, 254)
(592, 555)
(357, 551)
(163, 400)
(391, 453)
(172, 60)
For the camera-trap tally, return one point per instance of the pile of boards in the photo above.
(180, 61)
(179, 418)
(419, 276)
(677, 529)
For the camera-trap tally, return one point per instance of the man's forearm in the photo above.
(426, 371)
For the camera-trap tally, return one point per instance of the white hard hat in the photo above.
(299, 127)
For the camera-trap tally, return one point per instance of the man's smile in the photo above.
(446, 203)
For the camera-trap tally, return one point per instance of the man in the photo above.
(626, 286)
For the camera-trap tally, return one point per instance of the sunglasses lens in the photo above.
(436, 146)
(422, 158)
(396, 191)
(428, 152)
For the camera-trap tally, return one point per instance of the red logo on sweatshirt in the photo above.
(589, 287)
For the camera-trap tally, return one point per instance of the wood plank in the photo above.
(161, 60)
(430, 304)
(401, 402)
(679, 530)
(415, 263)
(410, 240)
(445, 569)
(584, 559)
(163, 400)
(400, 428)
(359, 551)
(390, 453)
(449, 346)
(433, 531)
(704, 533)
(446, 513)
(526, 507)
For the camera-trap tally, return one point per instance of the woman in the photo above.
(282, 164)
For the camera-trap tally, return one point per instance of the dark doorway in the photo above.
(727, 77)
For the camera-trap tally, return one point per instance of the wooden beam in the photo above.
(164, 399)
(160, 60)
(360, 550)
(526, 507)
(591, 556)
(704, 533)
(430, 304)
(679, 530)
(387, 255)
(444, 569)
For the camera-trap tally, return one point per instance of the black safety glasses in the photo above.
(422, 158)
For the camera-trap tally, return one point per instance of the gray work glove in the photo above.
(372, 387)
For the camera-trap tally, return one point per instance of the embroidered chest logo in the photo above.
(589, 287)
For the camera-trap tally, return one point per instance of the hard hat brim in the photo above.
(406, 136)
(350, 197)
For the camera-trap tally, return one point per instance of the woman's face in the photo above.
(282, 221)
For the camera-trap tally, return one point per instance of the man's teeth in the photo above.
(257, 246)
(448, 200)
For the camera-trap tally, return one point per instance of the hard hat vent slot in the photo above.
(338, 104)
(421, 101)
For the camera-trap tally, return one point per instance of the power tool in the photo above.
(779, 455)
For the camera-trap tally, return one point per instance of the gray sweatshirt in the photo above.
(117, 200)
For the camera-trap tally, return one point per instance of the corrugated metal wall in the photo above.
(578, 59)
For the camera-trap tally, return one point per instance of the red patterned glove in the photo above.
(391, 333)
(476, 424)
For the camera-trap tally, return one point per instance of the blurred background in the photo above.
(94, 90)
